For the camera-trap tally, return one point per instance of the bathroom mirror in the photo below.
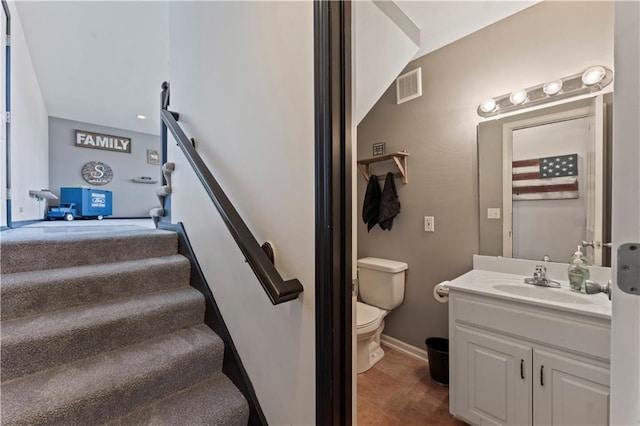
(544, 182)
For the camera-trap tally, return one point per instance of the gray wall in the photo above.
(490, 185)
(66, 160)
(439, 131)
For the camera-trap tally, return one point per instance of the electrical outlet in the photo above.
(429, 224)
(493, 213)
(20, 210)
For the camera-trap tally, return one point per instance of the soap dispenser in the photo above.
(578, 271)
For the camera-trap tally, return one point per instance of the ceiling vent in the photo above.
(409, 86)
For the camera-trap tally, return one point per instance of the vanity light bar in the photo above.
(591, 80)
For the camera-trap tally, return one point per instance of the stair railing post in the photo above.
(164, 103)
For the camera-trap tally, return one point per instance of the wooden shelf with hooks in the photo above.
(399, 158)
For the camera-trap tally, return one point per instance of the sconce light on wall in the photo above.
(591, 80)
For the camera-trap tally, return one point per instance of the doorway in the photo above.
(5, 177)
(626, 16)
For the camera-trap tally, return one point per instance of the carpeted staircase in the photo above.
(99, 325)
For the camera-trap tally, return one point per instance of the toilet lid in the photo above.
(366, 314)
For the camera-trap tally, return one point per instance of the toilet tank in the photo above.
(381, 282)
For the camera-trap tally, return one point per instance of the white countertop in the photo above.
(494, 284)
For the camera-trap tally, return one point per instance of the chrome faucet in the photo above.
(592, 287)
(540, 278)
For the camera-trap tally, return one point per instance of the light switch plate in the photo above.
(493, 213)
(429, 224)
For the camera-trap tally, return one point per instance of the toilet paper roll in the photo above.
(441, 292)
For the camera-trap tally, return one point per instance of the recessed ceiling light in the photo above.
(141, 117)
(518, 97)
(552, 88)
(488, 105)
(593, 75)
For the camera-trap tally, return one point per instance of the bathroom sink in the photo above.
(543, 293)
(504, 281)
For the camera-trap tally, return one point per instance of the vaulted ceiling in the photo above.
(100, 62)
(103, 62)
(443, 22)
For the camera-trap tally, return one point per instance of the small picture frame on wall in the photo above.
(153, 157)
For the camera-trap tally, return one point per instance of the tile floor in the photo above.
(399, 391)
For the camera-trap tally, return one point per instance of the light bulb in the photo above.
(488, 105)
(141, 117)
(518, 97)
(552, 88)
(593, 75)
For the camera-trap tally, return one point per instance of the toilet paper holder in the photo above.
(441, 292)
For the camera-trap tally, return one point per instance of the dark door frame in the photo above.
(7, 119)
(332, 76)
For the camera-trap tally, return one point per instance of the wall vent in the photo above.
(409, 86)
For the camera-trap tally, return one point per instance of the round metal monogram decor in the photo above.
(97, 173)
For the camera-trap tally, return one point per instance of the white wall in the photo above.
(242, 81)
(29, 129)
(382, 50)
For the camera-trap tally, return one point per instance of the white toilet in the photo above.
(381, 289)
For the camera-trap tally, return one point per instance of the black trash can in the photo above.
(438, 354)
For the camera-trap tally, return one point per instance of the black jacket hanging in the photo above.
(371, 205)
(389, 203)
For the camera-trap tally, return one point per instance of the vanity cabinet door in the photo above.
(567, 391)
(493, 381)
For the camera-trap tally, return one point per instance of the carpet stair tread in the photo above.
(100, 325)
(214, 401)
(111, 384)
(37, 250)
(38, 342)
(35, 292)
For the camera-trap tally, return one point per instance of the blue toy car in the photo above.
(64, 211)
(84, 203)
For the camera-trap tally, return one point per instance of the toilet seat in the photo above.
(368, 318)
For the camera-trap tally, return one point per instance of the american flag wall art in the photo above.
(548, 178)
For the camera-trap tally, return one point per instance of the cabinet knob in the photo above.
(542, 375)
(522, 369)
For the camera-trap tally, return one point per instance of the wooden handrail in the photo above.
(275, 286)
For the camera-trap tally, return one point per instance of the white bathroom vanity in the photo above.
(527, 355)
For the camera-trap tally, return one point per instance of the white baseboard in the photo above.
(403, 347)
